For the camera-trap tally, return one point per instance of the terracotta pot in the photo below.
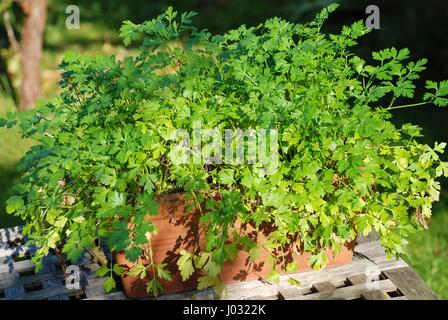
(241, 269)
(179, 230)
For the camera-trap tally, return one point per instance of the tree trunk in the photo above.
(31, 51)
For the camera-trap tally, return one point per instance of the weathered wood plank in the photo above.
(6, 260)
(245, 290)
(371, 237)
(357, 279)
(323, 286)
(400, 298)
(94, 287)
(60, 297)
(208, 294)
(14, 293)
(375, 295)
(290, 291)
(27, 265)
(41, 277)
(346, 293)
(7, 250)
(47, 293)
(354, 273)
(111, 296)
(333, 275)
(287, 291)
(10, 234)
(54, 284)
(410, 284)
(18, 266)
(369, 249)
(9, 279)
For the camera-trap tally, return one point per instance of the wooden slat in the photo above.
(287, 291)
(245, 290)
(27, 265)
(357, 279)
(14, 293)
(373, 246)
(208, 294)
(6, 250)
(54, 284)
(36, 278)
(9, 279)
(111, 296)
(371, 237)
(375, 295)
(10, 234)
(355, 268)
(94, 287)
(323, 286)
(399, 298)
(333, 275)
(410, 284)
(47, 293)
(6, 260)
(346, 293)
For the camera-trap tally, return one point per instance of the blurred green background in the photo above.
(420, 26)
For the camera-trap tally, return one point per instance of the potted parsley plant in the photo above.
(103, 168)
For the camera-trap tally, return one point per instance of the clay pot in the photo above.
(241, 269)
(179, 230)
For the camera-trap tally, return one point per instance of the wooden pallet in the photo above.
(370, 276)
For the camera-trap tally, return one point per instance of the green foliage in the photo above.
(104, 145)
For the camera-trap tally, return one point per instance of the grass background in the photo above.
(100, 20)
(12, 147)
(428, 250)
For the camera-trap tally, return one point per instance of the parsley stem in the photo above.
(407, 105)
